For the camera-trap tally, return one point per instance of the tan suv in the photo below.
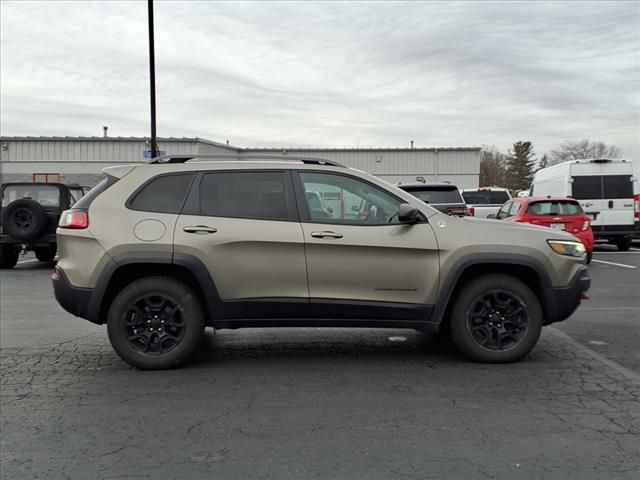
(160, 251)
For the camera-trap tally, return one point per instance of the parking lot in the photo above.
(322, 403)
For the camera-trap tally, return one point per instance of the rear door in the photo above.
(243, 226)
(365, 265)
(618, 193)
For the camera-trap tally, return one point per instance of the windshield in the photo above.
(45, 195)
(437, 195)
(554, 207)
(493, 197)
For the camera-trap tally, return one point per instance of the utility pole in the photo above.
(152, 78)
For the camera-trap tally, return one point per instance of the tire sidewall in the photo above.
(192, 311)
(461, 334)
(45, 254)
(8, 256)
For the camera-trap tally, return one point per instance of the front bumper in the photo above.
(74, 300)
(567, 299)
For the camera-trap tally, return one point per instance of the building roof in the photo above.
(281, 150)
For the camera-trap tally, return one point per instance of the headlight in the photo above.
(567, 247)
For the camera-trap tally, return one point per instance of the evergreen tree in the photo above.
(520, 166)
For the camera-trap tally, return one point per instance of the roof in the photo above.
(545, 198)
(379, 149)
(117, 139)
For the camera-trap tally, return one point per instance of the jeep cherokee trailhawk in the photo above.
(161, 250)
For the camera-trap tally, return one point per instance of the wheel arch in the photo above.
(524, 268)
(129, 267)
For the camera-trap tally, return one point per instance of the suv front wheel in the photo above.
(496, 319)
(155, 323)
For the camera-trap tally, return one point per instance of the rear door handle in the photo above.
(326, 234)
(200, 229)
(610, 203)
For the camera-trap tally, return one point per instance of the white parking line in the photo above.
(614, 264)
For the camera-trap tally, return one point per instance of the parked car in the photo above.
(557, 213)
(234, 242)
(605, 190)
(29, 215)
(485, 201)
(443, 196)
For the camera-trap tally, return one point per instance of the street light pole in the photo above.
(152, 78)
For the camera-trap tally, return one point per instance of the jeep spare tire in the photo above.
(24, 219)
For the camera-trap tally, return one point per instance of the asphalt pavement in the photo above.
(321, 403)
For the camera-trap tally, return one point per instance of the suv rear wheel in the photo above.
(8, 256)
(496, 319)
(155, 323)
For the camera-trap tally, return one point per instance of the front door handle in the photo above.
(200, 229)
(326, 234)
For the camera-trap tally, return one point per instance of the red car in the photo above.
(559, 213)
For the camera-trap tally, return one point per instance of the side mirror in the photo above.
(491, 215)
(408, 214)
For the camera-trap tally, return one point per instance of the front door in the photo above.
(361, 262)
(243, 226)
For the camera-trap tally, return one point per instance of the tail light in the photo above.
(77, 219)
(636, 207)
(472, 211)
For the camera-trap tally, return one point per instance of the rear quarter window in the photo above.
(162, 194)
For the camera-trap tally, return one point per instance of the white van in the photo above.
(605, 190)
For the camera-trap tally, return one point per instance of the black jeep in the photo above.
(29, 215)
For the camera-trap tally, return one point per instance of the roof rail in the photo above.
(222, 157)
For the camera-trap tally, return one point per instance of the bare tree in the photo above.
(492, 167)
(583, 149)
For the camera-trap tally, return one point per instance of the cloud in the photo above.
(328, 73)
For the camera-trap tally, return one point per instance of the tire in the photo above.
(24, 219)
(8, 256)
(525, 327)
(623, 243)
(589, 257)
(146, 341)
(45, 254)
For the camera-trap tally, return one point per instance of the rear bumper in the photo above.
(567, 299)
(74, 300)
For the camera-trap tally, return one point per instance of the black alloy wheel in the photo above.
(155, 323)
(495, 318)
(498, 319)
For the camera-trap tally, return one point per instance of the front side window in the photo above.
(333, 198)
(163, 194)
(45, 195)
(253, 195)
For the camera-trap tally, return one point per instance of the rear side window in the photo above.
(255, 195)
(437, 195)
(163, 194)
(486, 197)
(617, 186)
(552, 207)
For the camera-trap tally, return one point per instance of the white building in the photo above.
(81, 159)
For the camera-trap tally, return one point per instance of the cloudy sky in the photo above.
(327, 74)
